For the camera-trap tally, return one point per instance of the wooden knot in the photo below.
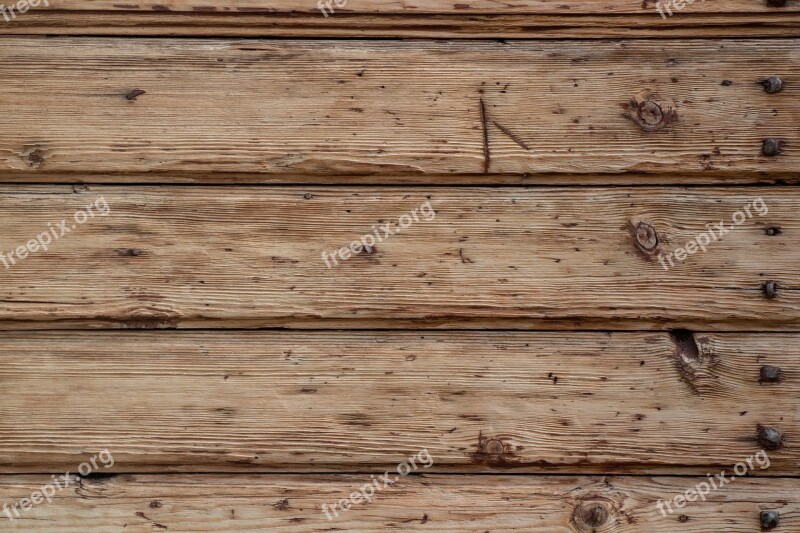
(648, 115)
(646, 237)
(591, 515)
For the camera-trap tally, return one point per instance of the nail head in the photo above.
(773, 84)
(770, 289)
(769, 520)
(770, 374)
(772, 147)
(770, 438)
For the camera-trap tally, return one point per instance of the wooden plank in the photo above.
(416, 503)
(344, 401)
(331, 110)
(778, 23)
(424, 6)
(564, 258)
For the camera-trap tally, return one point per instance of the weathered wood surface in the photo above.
(775, 23)
(424, 6)
(333, 111)
(407, 25)
(144, 503)
(566, 258)
(342, 401)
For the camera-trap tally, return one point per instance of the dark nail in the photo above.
(770, 438)
(770, 374)
(773, 85)
(776, 3)
(646, 236)
(772, 147)
(770, 289)
(770, 520)
(774, 230)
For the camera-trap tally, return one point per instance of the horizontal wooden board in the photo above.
(140, 503)
(378, 111)
(422, 6)
(770, 23)
(570, 258)
(347, 401)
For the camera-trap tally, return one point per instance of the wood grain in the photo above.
(244, 503)
(776, 23)
(346, 401)
(331, 110)
(565, 258)
(423, 6)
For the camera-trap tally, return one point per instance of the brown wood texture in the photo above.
(565, 258)
(423, 6)
(333, 111)
(144, 503)
(347, 401)
(771, 23)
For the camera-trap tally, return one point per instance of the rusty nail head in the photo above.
(773, 84)
(494, 447)
(770, 289)
(769, 519)
(770, 373)
(772, 147)
(770, 438)
(646, 236)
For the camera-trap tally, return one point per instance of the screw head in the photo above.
(773, 85)
(769, 520)
(770, 438)
(772, 147)
(770, 374)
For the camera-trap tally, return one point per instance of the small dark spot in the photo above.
(683, 518)
(773, 230)
(726, 83)
(155, 504)
(129, 252)
(134, 94)
(281, 505)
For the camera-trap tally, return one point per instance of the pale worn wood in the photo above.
(777, 23)
(344, 401)
(387, 111)
(565, 258)
(144, 503)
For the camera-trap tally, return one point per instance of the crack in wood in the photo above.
(487, 156)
